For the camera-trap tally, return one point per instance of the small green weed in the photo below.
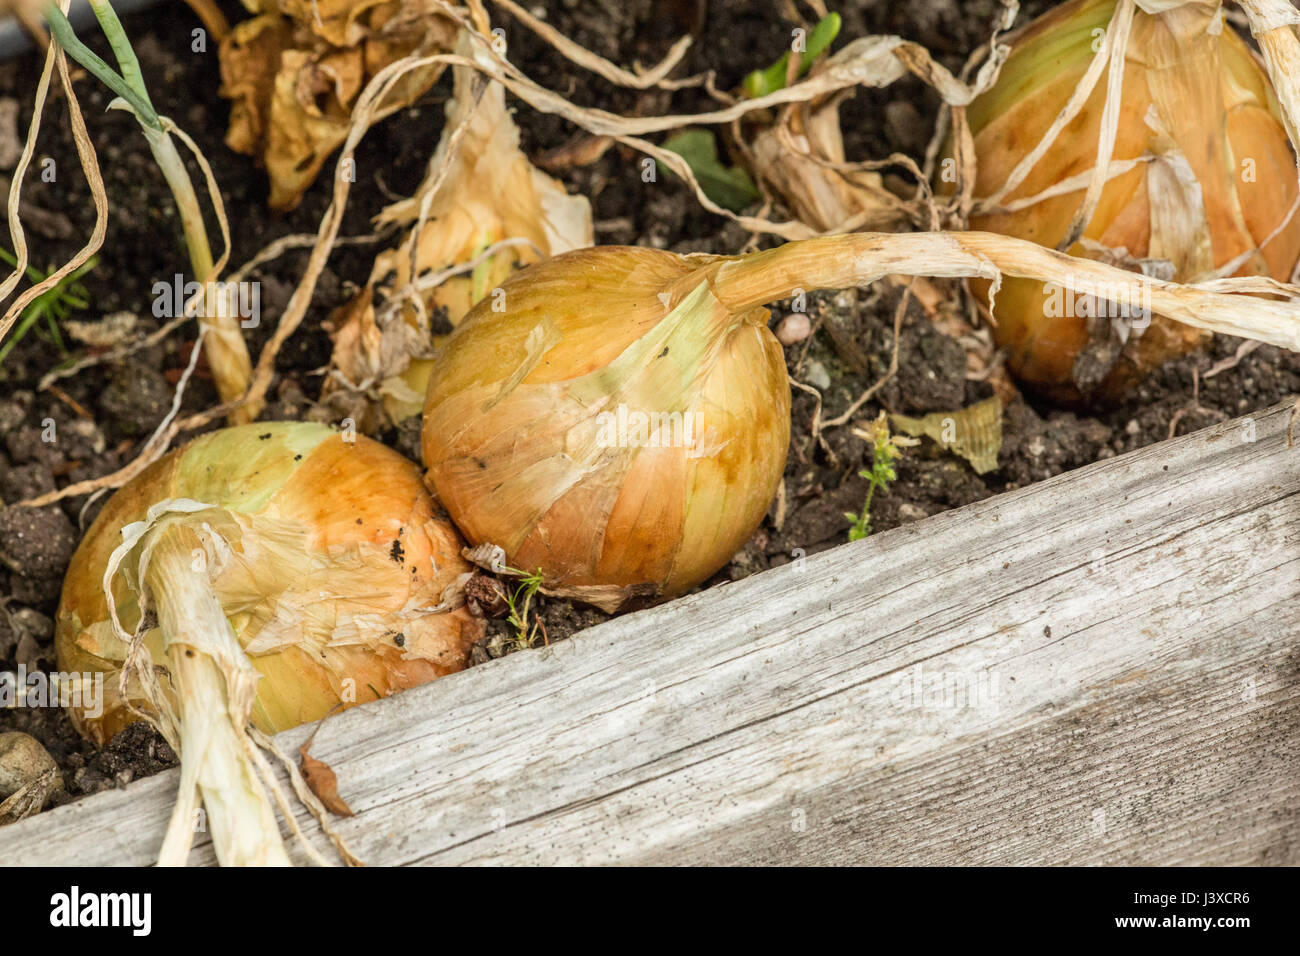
(885, 451)
(520, 601)
(52, 306)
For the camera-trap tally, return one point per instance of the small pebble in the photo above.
(794, 328)
(22, 760)
(28, 620)
(815, 374)
(910, 512)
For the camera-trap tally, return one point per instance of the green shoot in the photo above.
(52, 306)
(885, 450)
(762, 82)
(226, 350)
(520, 603)
(129, 85)
(132, 90)
(122, 50)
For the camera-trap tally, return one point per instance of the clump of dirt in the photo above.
(138, 751)
(557, 619)
(96, 421)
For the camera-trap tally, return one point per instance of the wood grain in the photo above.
(1101, 668)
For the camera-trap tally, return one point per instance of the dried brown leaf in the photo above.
(974, 432)
(294, 73)
(322, 780)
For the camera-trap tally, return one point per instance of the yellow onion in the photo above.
(286, 571)
(555, 423)
(1203, 177)
(615, 424)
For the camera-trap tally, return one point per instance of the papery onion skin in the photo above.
(513, 447)
(1218, 126)
(334, 540)
(481, 191)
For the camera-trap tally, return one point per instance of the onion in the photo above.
(285, 571)
(617, 418)
(1202, 177)
(617, 425)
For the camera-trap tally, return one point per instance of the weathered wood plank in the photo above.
(1131, 632)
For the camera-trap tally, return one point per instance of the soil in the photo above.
(101, 415)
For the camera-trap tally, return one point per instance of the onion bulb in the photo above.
(272, 572)
(618, 418)
(1201, 181)
(609, 420)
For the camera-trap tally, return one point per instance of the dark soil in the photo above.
(103, 414)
